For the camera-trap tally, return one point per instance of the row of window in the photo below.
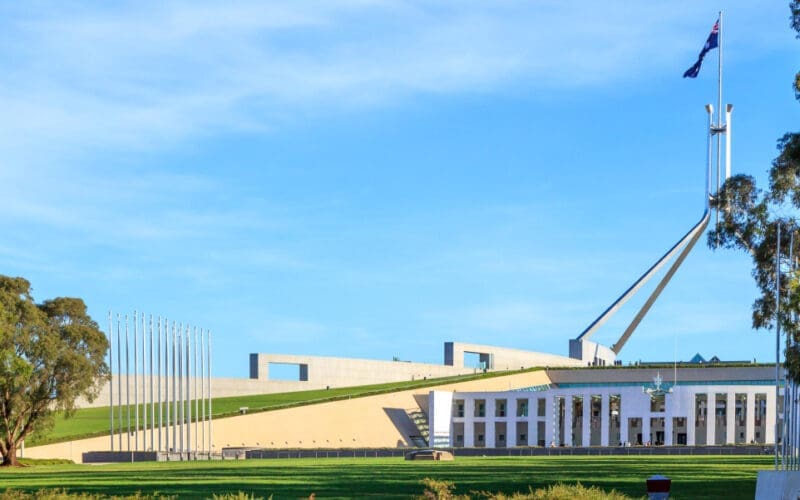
(657, 404)
(499, 408)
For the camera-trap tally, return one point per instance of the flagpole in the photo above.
(719, 108)
(111, 373)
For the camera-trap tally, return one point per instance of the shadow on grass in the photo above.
(694, 477)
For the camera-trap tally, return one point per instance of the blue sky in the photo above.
(374, 178)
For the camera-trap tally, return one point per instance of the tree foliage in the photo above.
(749, 220)
(50, 354)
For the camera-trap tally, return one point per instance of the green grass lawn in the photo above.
(91, 422)
(728, 477)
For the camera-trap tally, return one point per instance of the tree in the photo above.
(50, 354)
(749, 221)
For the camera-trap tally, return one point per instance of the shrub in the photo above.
(443, 490)
(439, 490)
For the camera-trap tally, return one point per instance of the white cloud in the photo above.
(151, 73)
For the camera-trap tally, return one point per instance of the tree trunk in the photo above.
(10, 460)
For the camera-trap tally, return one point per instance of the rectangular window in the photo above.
(500, 408)
(522, 407)
(540, 407)
(657, 403)
(458, 408)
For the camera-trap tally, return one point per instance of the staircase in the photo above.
(420, 421)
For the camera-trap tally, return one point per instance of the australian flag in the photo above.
(711, 43)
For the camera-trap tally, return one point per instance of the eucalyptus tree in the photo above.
(750, 219)
(50, 354)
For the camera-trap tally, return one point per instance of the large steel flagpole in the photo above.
(719, 109)
(710, 110)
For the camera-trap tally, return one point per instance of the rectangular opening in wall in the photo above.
(297, 372)
(473, 360)
(458, 408)
(480, 408)
(500, 408)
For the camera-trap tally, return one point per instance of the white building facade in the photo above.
(614, 407)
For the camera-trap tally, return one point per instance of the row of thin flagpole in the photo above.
(790, 427)
(175, 358)
(790, 441)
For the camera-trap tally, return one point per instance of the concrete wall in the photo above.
(503, 358)
(317, 372)
(375, 421)
(324, 371)
(591, 353)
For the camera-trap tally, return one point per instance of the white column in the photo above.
(533, 426)
(605, 419)
(691, 420)
(750, 418)
(769, 418)
(586, 429)
(646, 428)
(490, 420)
(730, 416)
(549, 419)
(469, 423)
(711, 419)
(623, 427)
(567, 420)
(440, 417)
(668, 428)
(669, 406)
